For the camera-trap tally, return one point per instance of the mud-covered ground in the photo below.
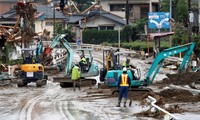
(167, 95)
(94, 102)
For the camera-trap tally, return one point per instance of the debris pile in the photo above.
(182, 79)
(26, 12)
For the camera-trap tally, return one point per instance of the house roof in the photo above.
(76, 18)
(48, 12)
(131, 1)
(113, 17)
(8, 1)
(43, 11)
(9, 14)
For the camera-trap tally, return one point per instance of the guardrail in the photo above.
(74, 45)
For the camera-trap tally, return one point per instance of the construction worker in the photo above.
(127, 64)
(123, 84)
(82, 63)
(76, 77)
(130, 67)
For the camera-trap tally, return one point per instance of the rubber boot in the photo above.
(79, 87)
(74, 85)
(118, 105)
(125, 102)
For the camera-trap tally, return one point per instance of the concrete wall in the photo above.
(40, 25)
(135, 10)
(102, 21)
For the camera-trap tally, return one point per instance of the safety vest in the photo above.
(124, 80)
(75, 73)
(125, 64)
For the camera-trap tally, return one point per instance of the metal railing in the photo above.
(153, 101)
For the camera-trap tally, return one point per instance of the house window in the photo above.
(119, 7)
(144, 11)
(106, 27)
(49, 23)
(102, 27)
(92, 28)
(110, 27)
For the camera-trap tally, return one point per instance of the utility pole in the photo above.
(199, 12)
(150, 6)
(127, 12)
(127, 18)
(54, 23)
(119, 37)
(189, 25)
(170, 25)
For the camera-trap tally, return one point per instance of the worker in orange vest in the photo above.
(124, 83)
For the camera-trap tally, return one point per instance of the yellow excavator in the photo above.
(31, 69)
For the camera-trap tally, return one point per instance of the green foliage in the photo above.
(126, 32)
(165, 6)
(70, 34)
(59, 29)
(139, 25)
(97, 37)
(15, 62)
(196, 39)
(181, 10)
(181, 35)
(83, 4)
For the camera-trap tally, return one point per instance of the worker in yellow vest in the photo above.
(124, 83)
(76, 77)
(83, 63)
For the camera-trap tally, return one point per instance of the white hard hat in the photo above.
(124, 69)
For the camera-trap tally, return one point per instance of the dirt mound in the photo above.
(158, 114)
(162, 97)
(160, 100)
(182, 79)
(175, 95)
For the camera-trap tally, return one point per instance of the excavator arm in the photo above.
(60, 39)
(187, 48)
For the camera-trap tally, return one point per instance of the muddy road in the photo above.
(51, 102)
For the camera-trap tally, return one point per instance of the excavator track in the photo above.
(66, 82)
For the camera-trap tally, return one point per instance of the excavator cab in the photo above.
(89, 68)
(111, 61)
(28, 55)
(31, 70)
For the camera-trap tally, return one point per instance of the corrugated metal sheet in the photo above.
(75, 18)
